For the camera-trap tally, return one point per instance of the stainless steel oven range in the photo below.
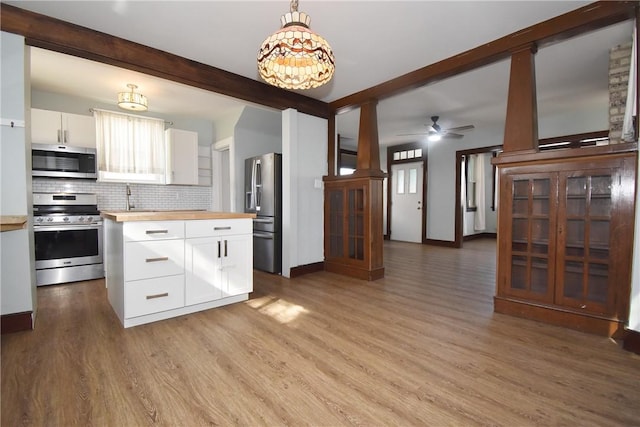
(68, 238)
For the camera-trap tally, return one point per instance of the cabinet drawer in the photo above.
(153, 295)
(153, 230)
(218, 227)
(144, 260)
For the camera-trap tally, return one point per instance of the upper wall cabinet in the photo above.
(182, 157)
(55, 127)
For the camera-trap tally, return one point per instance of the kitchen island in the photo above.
(162, 264)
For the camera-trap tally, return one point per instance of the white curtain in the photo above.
(631, 107)
(130, 148)
(479, 223)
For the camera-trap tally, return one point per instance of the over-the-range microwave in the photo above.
(63, 161)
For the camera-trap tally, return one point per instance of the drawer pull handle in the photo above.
(166, 294)
(157, 231)
(162, 258)
(222, 228)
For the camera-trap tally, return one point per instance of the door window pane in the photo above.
(519, 272)
(400, 186)
(573, 280)
(413, 181)
(598, 274)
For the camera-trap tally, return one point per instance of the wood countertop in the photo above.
(12, 222)
(168, 215)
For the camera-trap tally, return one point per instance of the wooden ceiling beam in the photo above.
(588, 18)
(60, 36)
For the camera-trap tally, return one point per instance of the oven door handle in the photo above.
(68, 227)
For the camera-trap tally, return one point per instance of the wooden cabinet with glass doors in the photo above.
(564, 255)
(351, 234)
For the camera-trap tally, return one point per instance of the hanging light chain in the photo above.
(294, 5)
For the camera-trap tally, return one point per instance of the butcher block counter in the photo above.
(163, 264)
(160, 215)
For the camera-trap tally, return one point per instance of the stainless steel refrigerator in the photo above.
(263, 196)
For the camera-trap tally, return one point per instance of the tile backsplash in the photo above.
(112, 196)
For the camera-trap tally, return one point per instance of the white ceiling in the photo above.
(373, 41)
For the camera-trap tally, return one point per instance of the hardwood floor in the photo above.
(420, 347)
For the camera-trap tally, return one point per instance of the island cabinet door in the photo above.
(202, 270)
(236, 265)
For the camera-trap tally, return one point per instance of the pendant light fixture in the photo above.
(132, 100)
(294, 57)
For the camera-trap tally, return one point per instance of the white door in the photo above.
(406, 202)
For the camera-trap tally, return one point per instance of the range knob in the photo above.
(49, 219)
(65, 219)
(39, 219)
(81, 219)
(89, 219)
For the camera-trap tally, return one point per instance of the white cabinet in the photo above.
(218, 260)
(161, 269)
(153, 267)
(182, 157)
(54, 127)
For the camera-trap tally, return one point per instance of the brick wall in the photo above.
(619, 64)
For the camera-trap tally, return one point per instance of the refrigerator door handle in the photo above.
(263, 235)
(251, 195)
(258, 183)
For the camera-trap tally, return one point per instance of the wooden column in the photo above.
(521, 128)
(368, 163)
(331, 155)
(353, 208)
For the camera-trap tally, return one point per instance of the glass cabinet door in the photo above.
(532, 236)
(584, 235)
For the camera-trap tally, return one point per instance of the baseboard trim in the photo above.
(444, 243)
(16, 322)
(352, 271)
(479, 236)
(560, 317)
(632, 341)
(301, 270)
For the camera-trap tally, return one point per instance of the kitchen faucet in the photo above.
(129, 204)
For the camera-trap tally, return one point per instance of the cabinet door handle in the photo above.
(166, 294)
(221, 228)
(59, 135)
(225, 248)
(218, 248)
(162, 258)
(66, 136)
(157, 231)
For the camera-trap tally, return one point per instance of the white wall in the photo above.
(304, 163)
(17, 272)
(257, 132)
(441, 191)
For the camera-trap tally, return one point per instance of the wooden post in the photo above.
(521, 127)
(368, 163)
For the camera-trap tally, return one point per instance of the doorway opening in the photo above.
(476, 194)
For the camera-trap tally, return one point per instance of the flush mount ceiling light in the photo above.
(132, 100)
(294, 57)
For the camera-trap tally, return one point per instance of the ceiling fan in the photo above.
(436, 132)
